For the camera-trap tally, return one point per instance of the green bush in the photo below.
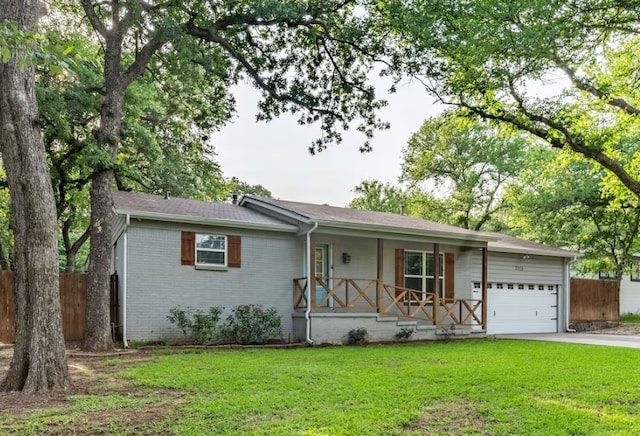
(357, 336)
(404, 334)
(203, 326)
(251, 324)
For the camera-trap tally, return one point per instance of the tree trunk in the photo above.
(39, 361)
(97, 336)
(4, 261)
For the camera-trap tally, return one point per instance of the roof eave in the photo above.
(188, 219)
(278, 209)
(406, 230)
(548, 253)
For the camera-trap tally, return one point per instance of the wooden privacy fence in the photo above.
(73, 299)
(594, 300)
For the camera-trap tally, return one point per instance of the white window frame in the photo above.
(424, 277)
(634, 276)
(225, 251)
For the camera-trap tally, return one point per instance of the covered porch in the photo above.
(456, 300)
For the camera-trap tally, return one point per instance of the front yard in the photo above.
(466, 387)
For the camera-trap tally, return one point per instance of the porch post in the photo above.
(312, 270)
(485, 280)
(380, 276)
(436, 283)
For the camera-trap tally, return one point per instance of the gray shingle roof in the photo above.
(181, 209)
(331, 214)
(155, 206)
(496, 241)
(509, 244)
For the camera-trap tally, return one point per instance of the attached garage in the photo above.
(526, 287)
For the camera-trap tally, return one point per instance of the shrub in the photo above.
(251, 324)
(357, 336)
(404, 334)
(203, 326)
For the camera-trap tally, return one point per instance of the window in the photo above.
(510, 286)
(499, 286)
(419, 269)
(606, 276)
(521, 287)
(635, 270)
(211, 250)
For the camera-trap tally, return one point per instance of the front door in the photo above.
(322, 272)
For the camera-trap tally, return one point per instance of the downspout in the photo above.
(310, 281)
(567, 292)
(124, 283)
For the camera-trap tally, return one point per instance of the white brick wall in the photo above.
(157, 282)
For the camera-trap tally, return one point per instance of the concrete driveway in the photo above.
(580, 338)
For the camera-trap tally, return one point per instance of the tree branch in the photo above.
(618, 102)
(208, 36)
(97, 25)
(143, 57)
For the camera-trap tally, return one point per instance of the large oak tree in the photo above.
(311, 58)
(39, 361)
(563, 71)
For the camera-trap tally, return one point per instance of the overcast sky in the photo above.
(276, 154)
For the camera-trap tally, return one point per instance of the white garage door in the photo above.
(522, 308)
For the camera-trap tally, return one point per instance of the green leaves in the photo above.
(562, 71)
(465, 163)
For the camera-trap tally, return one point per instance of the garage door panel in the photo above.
(521, 311)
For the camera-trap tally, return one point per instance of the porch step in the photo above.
(387, 319)
(456, 331)
(407, 323)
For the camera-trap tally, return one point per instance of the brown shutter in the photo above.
(188, 248)
(399, 268)
(234, 251)
(449, 275)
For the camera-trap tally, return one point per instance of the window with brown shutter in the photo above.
(188, 250)
(211, 250)
(414, 270)
(234, 251)
(449, 275)
(399, 269)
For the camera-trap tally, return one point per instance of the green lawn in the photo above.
(630, 317)
(467, 387)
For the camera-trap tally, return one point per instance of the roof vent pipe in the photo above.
(234, 198)
(402, 209)
(166, 195)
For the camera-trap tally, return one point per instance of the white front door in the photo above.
(322, 272)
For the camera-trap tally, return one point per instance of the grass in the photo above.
(630, 317)
(468, 387)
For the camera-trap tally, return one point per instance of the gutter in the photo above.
(567, 293)
(124, 283)
(310, 281)
(189, 219)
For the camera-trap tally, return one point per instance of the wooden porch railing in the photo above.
(338, 292)
(409, 302)
(349, 293)
(460, 311)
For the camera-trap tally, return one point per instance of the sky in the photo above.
(275, 154)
